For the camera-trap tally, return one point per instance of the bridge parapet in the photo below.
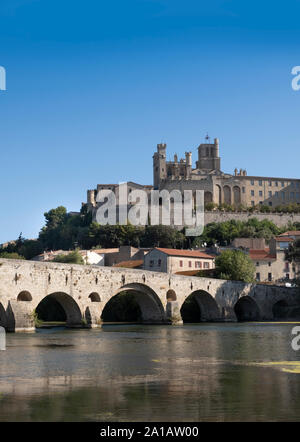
(83, 292)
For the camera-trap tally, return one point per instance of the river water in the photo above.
(195, 372)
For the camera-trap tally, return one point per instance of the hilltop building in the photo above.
(219, 187)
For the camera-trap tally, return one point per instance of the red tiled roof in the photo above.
(194, 272)
(291, 232)
(283, 239)
(187, 253)
(130, 264)
(261, 255)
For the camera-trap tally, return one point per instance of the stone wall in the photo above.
(280, 219)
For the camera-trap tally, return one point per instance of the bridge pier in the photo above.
(173, 313)
(19, 317)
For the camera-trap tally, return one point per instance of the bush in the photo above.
(235, 265)
(71, 258)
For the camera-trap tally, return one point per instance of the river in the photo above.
(195, 372)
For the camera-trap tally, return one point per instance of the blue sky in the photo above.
(93, 86)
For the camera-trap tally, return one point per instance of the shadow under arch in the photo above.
(144, 300)
(282, 310)
(246, 309)
(94, 297)
(60, 307)
(3, 319)
(200, 306)
(24, 296)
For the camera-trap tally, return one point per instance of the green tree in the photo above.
(11, 255)
(71, 258)
(235, 265)
(162, 236)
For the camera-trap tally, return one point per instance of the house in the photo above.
(176, 260)
(270, 262)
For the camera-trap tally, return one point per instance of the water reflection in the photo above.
(194, 372)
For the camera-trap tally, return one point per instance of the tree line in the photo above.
(71, 231)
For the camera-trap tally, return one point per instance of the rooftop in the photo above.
(130, 264)
(261, 255)
(187, 253)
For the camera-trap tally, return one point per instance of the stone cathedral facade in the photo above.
(219, 187)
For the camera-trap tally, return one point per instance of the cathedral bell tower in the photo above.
(208, 156)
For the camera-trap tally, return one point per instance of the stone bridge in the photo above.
(83, 292)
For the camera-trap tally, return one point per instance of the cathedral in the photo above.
(219, 187)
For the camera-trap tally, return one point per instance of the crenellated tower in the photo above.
(159, 165)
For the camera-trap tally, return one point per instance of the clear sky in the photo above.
(94, 85)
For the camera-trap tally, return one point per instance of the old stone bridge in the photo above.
(83, 292)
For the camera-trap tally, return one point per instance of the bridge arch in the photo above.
(3, 318)
(94, 297)
(151, 308)
(24, 296)
(171, 295)
(67, 304)
(200, 306)
(246, 309)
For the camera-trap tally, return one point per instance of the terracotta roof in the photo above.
(291, 232)
(194, 272)
(187, 253)
(261, 255)
(188, 272)
(130, 264)
(112, 250)
(283, 239)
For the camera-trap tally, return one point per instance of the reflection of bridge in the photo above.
(83, 292)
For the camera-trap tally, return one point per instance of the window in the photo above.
(287, 267)
(270, 193)
(257, 264)
(252, 182)
(181, 263)
(190, 263)
(276, 194)
(243, 189)
(260, 182)
(292, 195)
(269, 276)
(159, 262)
(252, 203)
(297, 184)
(257, 276)
(283, 195)
(198, 264)
(269, 264)
(282, 183)
(297, 195)
(270, 203)
(260, 202)
(270, 183)
(260, 193)
(151, 263)
(206, 265)
(287, 276)
(252, 192)
(276, 183)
